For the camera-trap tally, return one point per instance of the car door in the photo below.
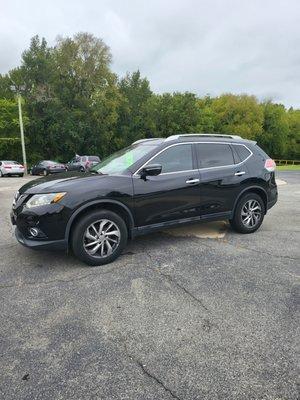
(171, 195)
(38, 168)
(221, 177)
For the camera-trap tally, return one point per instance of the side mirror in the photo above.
(151, 170)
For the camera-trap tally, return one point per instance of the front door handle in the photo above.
(240, 173)
(192, 181)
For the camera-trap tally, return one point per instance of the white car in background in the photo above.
(11, 168)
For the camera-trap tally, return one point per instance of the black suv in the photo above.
(150, 185)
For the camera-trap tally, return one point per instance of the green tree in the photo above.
(275, 130)
(293, 137)
(133, 113)
(238, 114)
(175, 113)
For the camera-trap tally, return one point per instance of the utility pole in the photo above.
(15, 89)
(22, 133)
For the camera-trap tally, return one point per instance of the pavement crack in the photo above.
(157, 380)
(184, 289)
(176, 284)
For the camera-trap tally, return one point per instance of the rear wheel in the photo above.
(82, 169)
(45, 172)
(99, 237)
(249, 213)
(21, 175)
(1, 174)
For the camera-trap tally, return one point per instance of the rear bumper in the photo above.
(41, 244)
(10, 173)
(271, 204)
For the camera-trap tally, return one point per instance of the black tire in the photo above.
(241, 215)
(1, 174)
(82, 169)
(79, 236)
(45, 172)
(21, 175)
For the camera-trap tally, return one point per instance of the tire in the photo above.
(249, 213)
(45, 172)
(83, 234)
(21, 175)
(82, 169)
(1, 174)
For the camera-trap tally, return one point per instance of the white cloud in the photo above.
(205, 46)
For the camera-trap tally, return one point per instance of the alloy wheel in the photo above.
(251, 213)
(101, 238)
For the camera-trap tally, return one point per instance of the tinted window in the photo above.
(214, 155)
(175, 158)
(242, 152)
(123, 159)
(94, 158)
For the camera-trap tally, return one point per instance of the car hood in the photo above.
(63, 182)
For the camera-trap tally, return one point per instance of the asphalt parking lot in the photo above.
(177, 316)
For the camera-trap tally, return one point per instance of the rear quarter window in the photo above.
(242, 152)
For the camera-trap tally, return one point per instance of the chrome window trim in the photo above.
(196, 169)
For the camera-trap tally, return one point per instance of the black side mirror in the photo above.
(151, 170)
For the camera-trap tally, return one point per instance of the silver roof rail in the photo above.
(144, 140)
(216, 135)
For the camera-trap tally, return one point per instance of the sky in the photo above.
(203, 46)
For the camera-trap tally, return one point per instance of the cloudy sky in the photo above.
(203, 46)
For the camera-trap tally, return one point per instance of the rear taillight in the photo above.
(7, 166)
(87, 163)
(270, 165)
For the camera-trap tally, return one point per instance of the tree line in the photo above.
(74, 103)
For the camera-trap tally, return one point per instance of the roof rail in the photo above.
(144, 140)
(174, 137)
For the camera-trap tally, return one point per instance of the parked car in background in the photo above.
(82, 163)
(151, 185)
(46, 167)
(11, 168)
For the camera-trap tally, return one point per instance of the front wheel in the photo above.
(1, 174)
(99, 237)
(21, 175)
(249, 213)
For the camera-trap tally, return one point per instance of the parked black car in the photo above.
(46, 167)
(151, 185)
(82, 163)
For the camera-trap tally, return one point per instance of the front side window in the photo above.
(123, 159)
(175, 159)
(214, 155)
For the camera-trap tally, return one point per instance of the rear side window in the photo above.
(175, 159)
(242, 152)
(94, 158)
(214, 155)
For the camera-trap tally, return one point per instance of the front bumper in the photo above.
(41, 244)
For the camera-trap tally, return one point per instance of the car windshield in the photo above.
(123, 159)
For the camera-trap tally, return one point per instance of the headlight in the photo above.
(43, 199)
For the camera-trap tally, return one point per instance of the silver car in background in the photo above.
(8, 168)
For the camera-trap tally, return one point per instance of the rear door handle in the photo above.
(240, 173)
(192, 181)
